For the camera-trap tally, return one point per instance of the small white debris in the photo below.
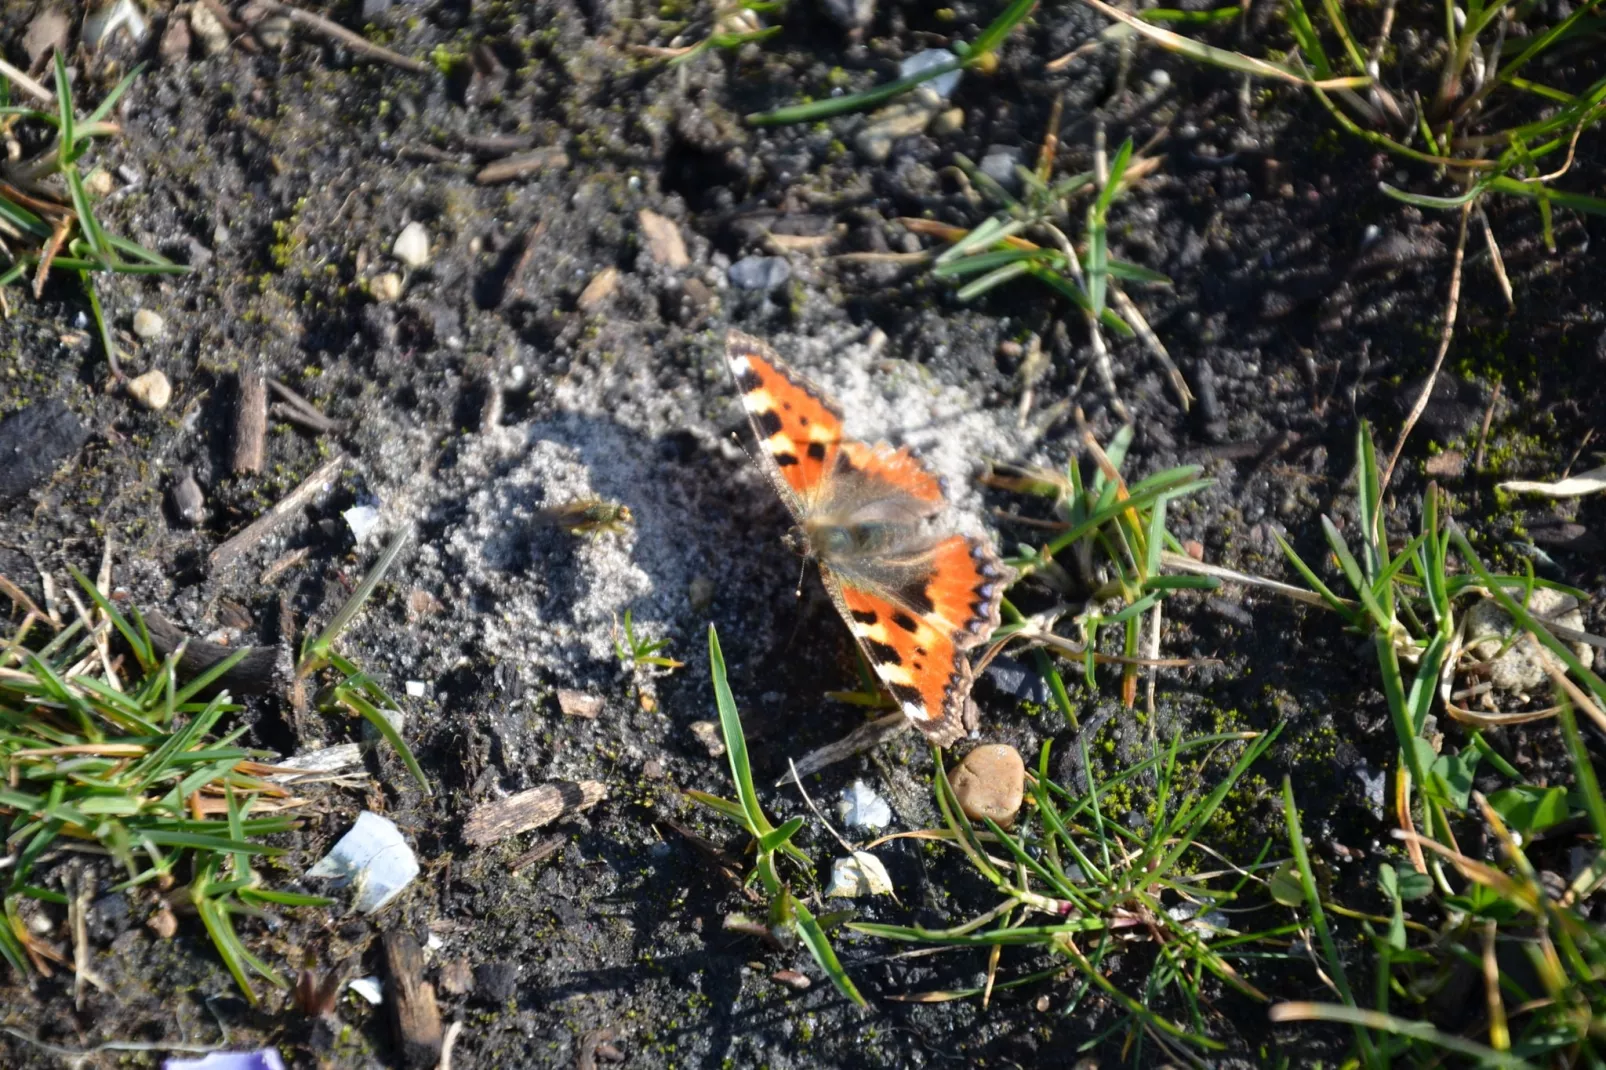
(369, 989)
(322, 761)
(860, 873)
(1590, 482)
(214, 38)
(415, 688)
(362, 520)
(943, 85)
(412, 245)
(151, 390)
(148, 325)
(434, 942)
(386, 288)
(862, 808)
(101, 24)
(708, 734)
(374, 857)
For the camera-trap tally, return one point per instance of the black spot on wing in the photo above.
(747, 380)
(904, 621)
(913, 595)
(784, 459)
(817, 451)
(769, 422)
(882, 653)
(842, 462)
(864, 616)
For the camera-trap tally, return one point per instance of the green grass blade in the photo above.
(819, 945)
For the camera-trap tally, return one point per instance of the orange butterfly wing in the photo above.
(799, 428)
(916, 639)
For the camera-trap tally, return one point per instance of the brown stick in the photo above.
(254, 675)
(417, 1018)
(250, 424)
(268, 522)
(355, 42)
(530, 809)
(525, 163)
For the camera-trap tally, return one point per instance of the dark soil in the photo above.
(1304, 302)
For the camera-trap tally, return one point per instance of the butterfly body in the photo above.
(914, 597)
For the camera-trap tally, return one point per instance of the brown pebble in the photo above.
(599, 289)
(663, 240)
(163, 924)
(991, 782)
(791, 979)
(1447, 465)
(579, 704)
(457, 977)
(1195, 549)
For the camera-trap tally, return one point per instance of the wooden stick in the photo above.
(355, 42)
(530, 809)
(413, 1009)
(250, 424)
(268, 522)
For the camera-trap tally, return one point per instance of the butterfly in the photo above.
(914, 598)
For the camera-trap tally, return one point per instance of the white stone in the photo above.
(386, 288)
(148, 325)
(860, 873)
(151, 390)
(412, 245)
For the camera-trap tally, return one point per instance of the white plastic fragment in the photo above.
(362, 520)
(1590, 482)
(266, 1059)
(374, 857)
(369, 989)
(860, 873)
(412, 245)
(100, 24)
(943, 85)
(415, 688)
(862, 808)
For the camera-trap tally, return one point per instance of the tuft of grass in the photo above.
(731, 26)
(1478, 115)
(46, 209)
(1114, 538)
(789, 916)
(1082, 887)
(104, 757)
(1406, 603)
(357, 692)
(633, 652)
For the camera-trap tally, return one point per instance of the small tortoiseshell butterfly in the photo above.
(914, 599)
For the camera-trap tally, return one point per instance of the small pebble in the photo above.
(98, 182)
(943, 85)
(1159, 78)
(949, 122)
(991, 782)
(386, 288)
(663, 240)
(579, 704)
(148, 325)
(412, 245)
(599, 289)
(369, 989)
(707, 733)
(208, 30)
(999, 165)
(791, 979)
(759, 272)
(163, 924)
(151, 390)
(189, 504)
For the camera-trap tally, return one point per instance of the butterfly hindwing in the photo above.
(915, 639)
(799, 428)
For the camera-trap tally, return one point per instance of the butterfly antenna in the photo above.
(802, 570)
